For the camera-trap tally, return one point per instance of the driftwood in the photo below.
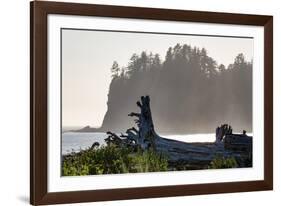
(238, 142)
(182, 154)
(144, 136)
(222, 131)
(95, 145)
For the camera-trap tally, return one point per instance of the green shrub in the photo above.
(112, 160)
(221, 162)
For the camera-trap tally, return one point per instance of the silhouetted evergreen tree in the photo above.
(115, 69)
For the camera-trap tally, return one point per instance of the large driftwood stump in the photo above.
(144, 136)
(191, 155)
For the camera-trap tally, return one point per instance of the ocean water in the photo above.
(76, 141)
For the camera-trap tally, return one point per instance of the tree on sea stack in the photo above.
(115, 69)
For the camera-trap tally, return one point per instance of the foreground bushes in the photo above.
(112, 160)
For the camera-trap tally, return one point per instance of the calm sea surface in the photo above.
(75, 141)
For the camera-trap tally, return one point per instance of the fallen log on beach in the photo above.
(182, 155)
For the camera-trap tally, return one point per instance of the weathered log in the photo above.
(191, 155)
(238, 142)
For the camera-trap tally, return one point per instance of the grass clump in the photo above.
(220, 162)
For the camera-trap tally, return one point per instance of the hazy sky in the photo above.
(87, 57)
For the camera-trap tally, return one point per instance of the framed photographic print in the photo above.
(131, 102)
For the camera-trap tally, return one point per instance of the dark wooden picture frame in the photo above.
(38, 102)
